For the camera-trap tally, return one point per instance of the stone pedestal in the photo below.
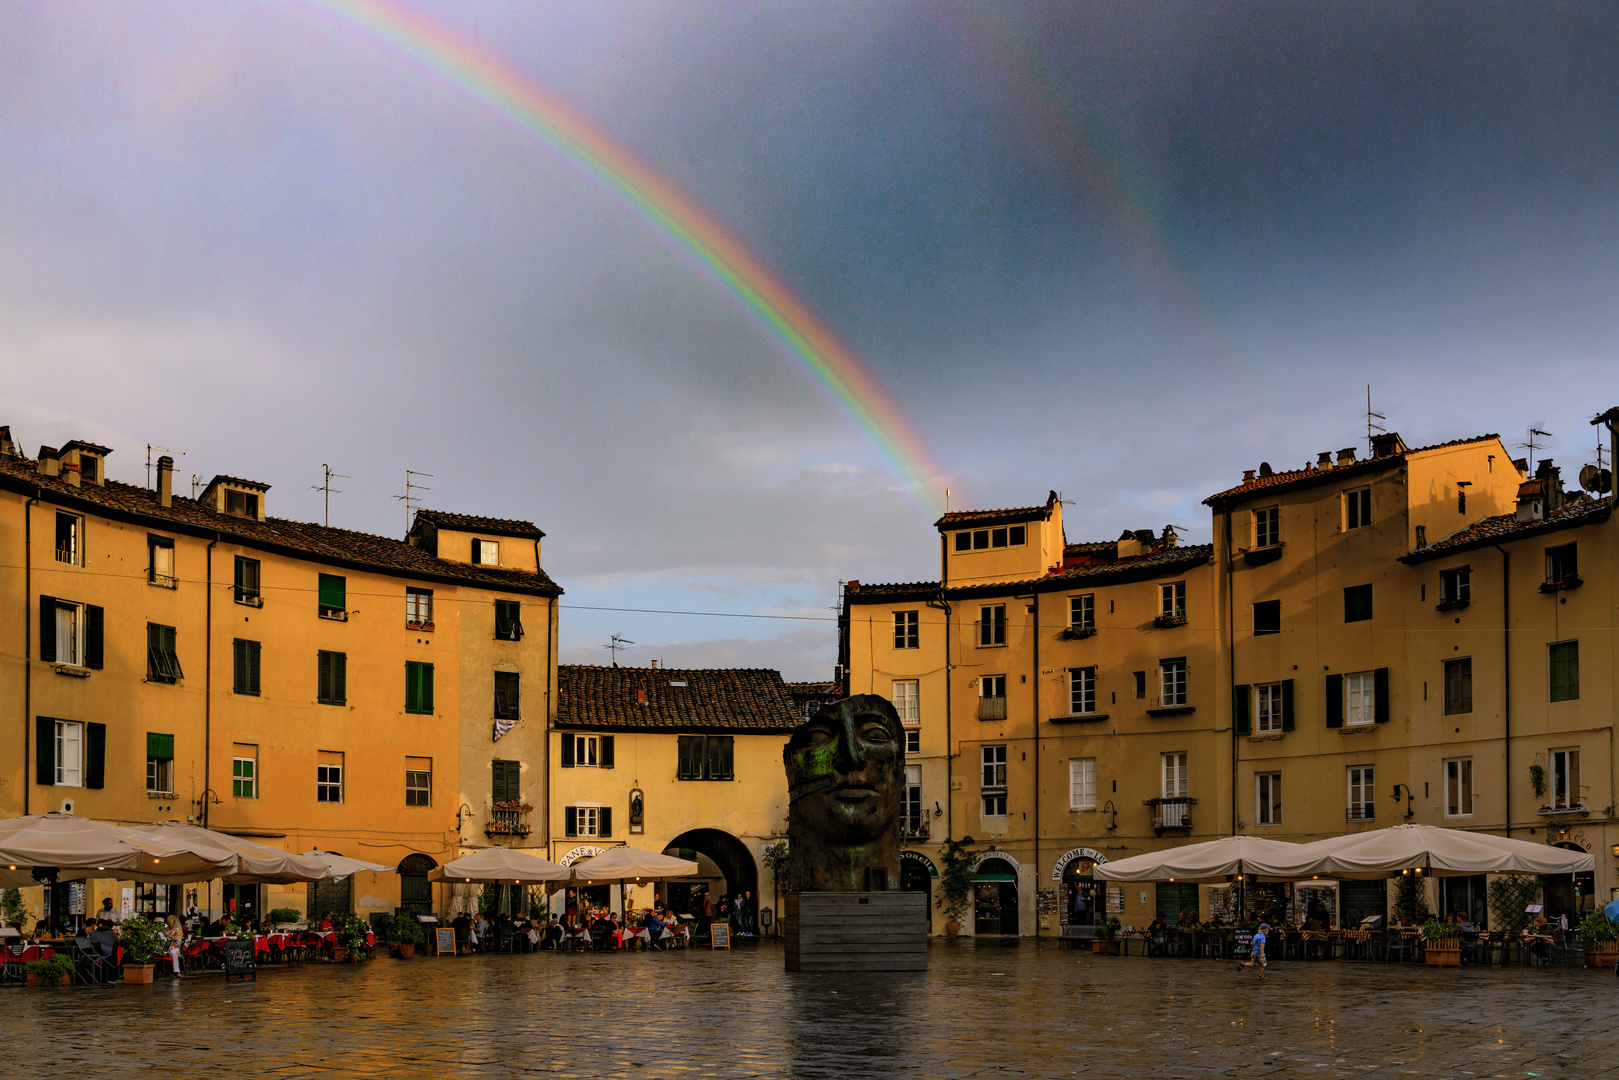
(856, 931)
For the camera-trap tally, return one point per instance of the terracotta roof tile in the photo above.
(997, 517)
(1506, 527)
(1154, 565)
(469, 523)
(320, 543)
(1311, 474)
(748, 700)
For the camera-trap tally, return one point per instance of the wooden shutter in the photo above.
(604, 756)
(567, 750)
(427, 688)
(332, 589)
(94, 618)
(95, 755)
(323, 676)
(477, 557)
(570, 821)
(605, 817)
(1242, 707)
(497, 781)
(1287, 704)
(253, 667)
(715, 759)
(44, 750)
(160, 746)
(340, 676)
(47, 630)
(1335, 701)
(172, 651)
(239, 666)
(503, 621)
(1380, 695)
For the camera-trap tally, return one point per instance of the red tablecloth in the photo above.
(32, 952)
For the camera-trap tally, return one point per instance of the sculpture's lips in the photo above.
(852, 793)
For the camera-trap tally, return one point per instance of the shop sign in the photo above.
(921, 860)
(583, 851)
(992, 853)
(1077, 853)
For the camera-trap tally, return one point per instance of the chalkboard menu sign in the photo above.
(1243, 943)
(239, 960)
(720, 935)
(446, 940)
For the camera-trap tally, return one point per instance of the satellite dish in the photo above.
(1265, 469)
(1596, 480)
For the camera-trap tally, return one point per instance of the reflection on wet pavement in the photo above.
(980, 1011)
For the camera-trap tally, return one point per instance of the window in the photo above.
(1141, 683)
(911, 803)
(705, 757)
(486, 552)
(418, 609)
(333, 597)
(418, 781)
(241, 503)
(506, 780)
(1565, 670)
(1172, 682)
(159, 763)
(69, 753)
(331, 679)
(160, 561)
(587, 821)
(1357, 603)
(1459, 686)
(1565, 779)
(1360, 704)
(991, 625)
(1267, 708)
(508, 620)
(1459, 787)
(1082, 783)
(89, 465)
(1173, 775)
(1358, 508)
(1267, 798)
(905, 629)
(590, 752)
(69, 533)
(329, 777)
(1082, 612)
(1267, 617)
(1267, 527)
(1172, 600)
(1455, 587)
(247, 581)
(245, 667)
(1081, 690)
(992, 697)
(508, 695)
(418, 687)
(244, 771)
(162, 659)
(913, 741)
(980, 539)
(994, 781)
(1362, 793)
(1562, 565)
(906, 702)
(1358, 698)
(64, 623)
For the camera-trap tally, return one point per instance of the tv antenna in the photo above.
(411, 488)
(616, 644)
(326, 486)
(161, 450)
(1531, 446)
(1372, 427)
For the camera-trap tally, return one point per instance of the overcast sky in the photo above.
(1120, 250)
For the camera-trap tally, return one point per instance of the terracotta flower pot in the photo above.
(407, 952)
(1105, 948)
(1606, 956)
(951, 928)
(137, 973)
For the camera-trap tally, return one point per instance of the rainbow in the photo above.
(824, 360)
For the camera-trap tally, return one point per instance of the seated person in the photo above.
(104, 939)
(657, 929)
(1538, 940)
(463, 929)
(601, 930)
(1157, 936)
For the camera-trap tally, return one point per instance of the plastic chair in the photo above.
(90, 968)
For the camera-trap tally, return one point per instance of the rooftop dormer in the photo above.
(235, 496)
(1015, 544)
(464, 538)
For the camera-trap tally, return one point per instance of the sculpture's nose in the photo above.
(851, 752)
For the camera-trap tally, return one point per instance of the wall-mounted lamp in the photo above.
(1409, 799)
(1113, 815)
(938, 811)
(1616, 851)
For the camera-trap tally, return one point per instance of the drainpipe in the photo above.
(1034, 604)
(28, 647)
(1506, 677)
(208, 686)
(949, 738)
(1224, 572)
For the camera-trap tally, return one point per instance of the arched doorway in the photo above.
(995, 900)
(415, 891)
(729, 856)
(1081, 897)
(916, 874)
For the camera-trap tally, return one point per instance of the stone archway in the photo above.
(730, 855)
(415, 891)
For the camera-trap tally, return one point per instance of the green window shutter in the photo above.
(1380, 695)
(44, 750)
(47, 633)
(502, 619)
(340, 676)
(1335, 701)
(514, 779)
(497, 781)
(714, 764)
(412, 687)
(1242, 708)
(567, 750)
(1287, 704)
(323, 676)
(252, 667)
(605, 816)
(604, 758)
(173, 651)
(239, 666)
(427, 688)
(95, 755)
(570, 822)
(332, 589)
(160, 746)
(94, 618)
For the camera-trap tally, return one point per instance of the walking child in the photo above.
(1256, 951)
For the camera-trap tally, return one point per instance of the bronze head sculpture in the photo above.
(845, 774)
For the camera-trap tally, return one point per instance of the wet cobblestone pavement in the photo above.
(980, 1011)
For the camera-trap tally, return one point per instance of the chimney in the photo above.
(1247, 475)
(1551, 480)
(49, 463)
(165, 481)
(1530, 507)
(1324, 461)
(70, 472)
(1346, 456)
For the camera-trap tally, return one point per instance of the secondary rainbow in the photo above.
(828, 364)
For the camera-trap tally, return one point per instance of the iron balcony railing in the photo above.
(915, 823)
(508, 820)
(1172, 813)
(1365, 812)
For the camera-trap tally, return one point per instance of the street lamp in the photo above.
(1409, 798)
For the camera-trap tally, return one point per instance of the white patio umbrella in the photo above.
(499, 866)
(82, 847)
(256, 863)
(341, 866)
(1211, 861)
(616, 866)
(1436, 851)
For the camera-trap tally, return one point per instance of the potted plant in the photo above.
(406, 934)
(282, 916)
(955, 882)
(143, 940)
(1443, 946)
(1106, 941)
(56, 971)
(1600, 940)
(350, 937)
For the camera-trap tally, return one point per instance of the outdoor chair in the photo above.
(90, 968)
(11, 969)
(1396, 946)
